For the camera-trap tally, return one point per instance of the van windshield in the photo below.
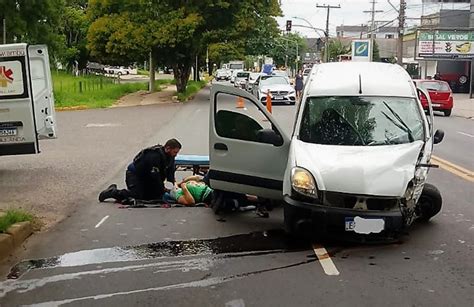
(361, 121)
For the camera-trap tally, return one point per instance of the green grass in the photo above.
(143, 72)
(93, 91)
(13, 216)
(192, 88)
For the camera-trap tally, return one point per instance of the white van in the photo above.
(26, 99)
(357, 159)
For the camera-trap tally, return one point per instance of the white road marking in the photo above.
(325, 260)
(103, 125)
(102, 221)
(466, 134)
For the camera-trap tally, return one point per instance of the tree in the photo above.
(283, 50)
(174, 31)
(74, 27)
(376, 53)
(34, 22)
(336, 48)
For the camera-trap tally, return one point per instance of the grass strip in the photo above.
(13, 216)
(192, 88)
(93, 91)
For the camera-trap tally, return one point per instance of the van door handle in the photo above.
(220, 146)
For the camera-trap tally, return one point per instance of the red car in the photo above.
(440, 94)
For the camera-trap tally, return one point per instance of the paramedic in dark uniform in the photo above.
(145, 176)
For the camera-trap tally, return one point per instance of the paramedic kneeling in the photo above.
(145, 176)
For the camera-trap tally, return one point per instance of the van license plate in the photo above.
(364, 226)
(8, 132)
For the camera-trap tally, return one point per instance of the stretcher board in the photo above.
(198, 164)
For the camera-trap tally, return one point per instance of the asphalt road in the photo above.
(105, 256)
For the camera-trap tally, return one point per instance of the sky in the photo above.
(351, 13)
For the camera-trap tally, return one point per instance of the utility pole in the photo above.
(328, 7)
(4, 30)
(401, 25)
(372, 28)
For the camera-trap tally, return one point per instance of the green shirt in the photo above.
(197, 191)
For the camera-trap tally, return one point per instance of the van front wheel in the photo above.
(430, 202)
(294, 219)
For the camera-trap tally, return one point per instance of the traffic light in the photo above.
(288, 25)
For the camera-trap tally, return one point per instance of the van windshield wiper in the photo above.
(400, 120)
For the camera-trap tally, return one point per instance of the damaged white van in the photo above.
(26, 99)
(357, 160)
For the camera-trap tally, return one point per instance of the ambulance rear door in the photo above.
(17, 113)
(43, 98)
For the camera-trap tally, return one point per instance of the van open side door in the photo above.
(248, 150)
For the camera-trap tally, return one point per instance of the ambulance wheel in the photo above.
(430, 202)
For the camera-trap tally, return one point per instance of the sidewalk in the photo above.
(142, 98)
(463, 106)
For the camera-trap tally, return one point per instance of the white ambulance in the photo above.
(26, 99)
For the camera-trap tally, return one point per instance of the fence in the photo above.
(71, 84)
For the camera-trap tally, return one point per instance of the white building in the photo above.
(382, 30)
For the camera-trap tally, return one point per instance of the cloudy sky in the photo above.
(351, 12)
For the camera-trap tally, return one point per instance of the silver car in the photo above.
(279, 87)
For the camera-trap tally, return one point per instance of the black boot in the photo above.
(108, 193)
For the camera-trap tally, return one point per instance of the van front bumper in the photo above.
(333, 219)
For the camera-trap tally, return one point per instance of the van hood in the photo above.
(369, 170)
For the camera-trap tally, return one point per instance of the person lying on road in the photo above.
(192, 190)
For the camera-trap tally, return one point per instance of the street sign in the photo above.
(438, 44)
(361, 50)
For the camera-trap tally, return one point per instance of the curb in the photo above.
(15, 235)
(74, 108)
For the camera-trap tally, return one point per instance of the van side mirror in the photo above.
(269, 136)
(438, 136)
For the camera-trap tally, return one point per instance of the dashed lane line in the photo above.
(325, 260)
(453, 168)
(466, 134)
(102, 221)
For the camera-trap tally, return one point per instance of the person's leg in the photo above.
(135, 187)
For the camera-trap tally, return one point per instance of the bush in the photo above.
(13, 216)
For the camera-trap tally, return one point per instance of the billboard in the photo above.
(361, 50)
(439, 44)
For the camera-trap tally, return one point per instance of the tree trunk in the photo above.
(181, 73)
(151, 86)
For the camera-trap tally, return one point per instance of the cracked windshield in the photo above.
(236, 153)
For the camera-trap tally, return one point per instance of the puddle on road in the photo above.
(258, 243)
(255, 243)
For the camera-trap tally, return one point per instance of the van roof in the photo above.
(376, 79)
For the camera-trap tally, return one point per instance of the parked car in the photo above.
(241, 79)
(306, 73)
(440, 93)
(281, 91)
(222, 74)
(357, 160)
(117, 70)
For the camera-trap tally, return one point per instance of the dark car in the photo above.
(440, 94)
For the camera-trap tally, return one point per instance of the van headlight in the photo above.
(303, 182)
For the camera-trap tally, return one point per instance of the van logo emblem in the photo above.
(5, 76)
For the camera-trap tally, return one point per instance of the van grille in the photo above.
(348, 201)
